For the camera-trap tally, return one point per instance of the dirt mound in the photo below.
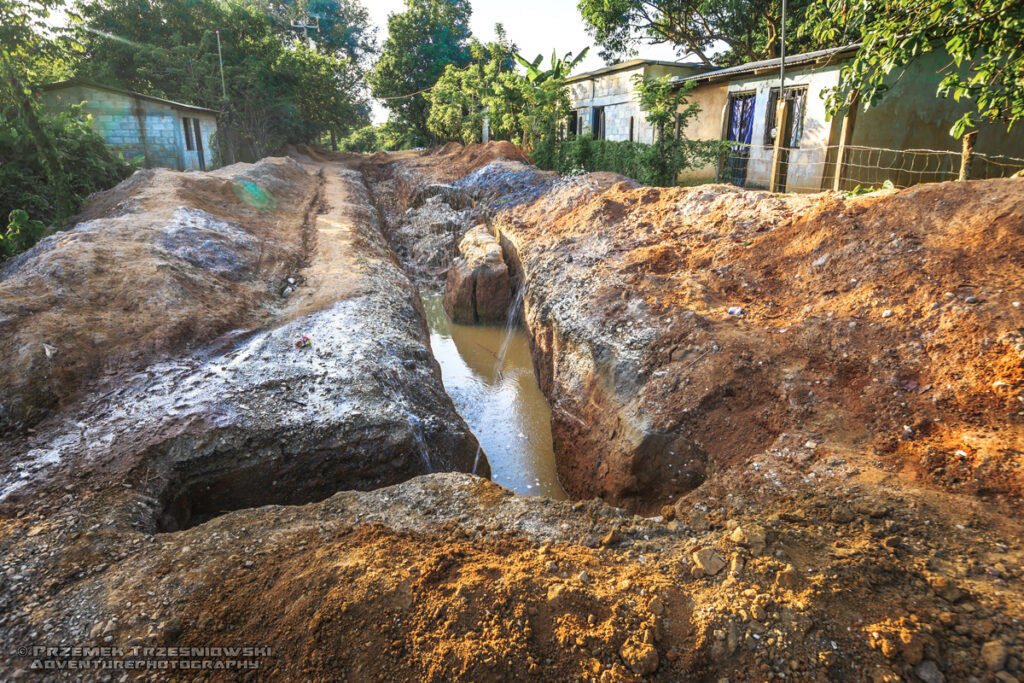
(446, 578)
(474, 156)
(163, 260)
(885, 324)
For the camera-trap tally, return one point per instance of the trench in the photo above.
(488, 372)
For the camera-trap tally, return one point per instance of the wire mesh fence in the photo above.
(812, 169)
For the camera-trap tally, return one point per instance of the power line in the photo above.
(402, 97)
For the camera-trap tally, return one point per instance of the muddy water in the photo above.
(503, 406)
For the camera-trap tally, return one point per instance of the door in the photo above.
(795, 101)
(199, 145)
(739, 130)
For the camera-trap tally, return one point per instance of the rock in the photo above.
(479, 287)
(887, 313)
(892, 542)
(749, 536)
(928, 672)
(611, 538)
(641, 658)
(993, 654)
(709, 561)
(1006, 677)
(911, 646)
(171, 629)
(946, 589)
(656, 606)
(788, 578)
(556, 594)
(736, 565)
(842, 514)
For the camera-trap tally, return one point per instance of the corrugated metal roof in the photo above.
(71, 82)
(632, 64)
(767, 64)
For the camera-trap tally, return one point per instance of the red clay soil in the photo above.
(888, 325)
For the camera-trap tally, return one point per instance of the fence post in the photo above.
(965, 156)
(781, 110)
(845, 136)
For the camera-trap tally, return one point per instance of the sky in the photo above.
(535, 26)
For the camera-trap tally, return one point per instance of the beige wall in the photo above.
(709, 124)
(912, 116)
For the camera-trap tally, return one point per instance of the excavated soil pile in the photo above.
(164, 259)
(678, 331)
(801, 532)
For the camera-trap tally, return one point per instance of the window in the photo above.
(187, 125)
(598, 123)
(796, 99)
(573, 123)
(631, 129)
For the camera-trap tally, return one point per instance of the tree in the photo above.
(22, 42)
(984, 38)
(424, 39)
(280, 87)
(339, 27)
(488, 88)
(662, 102)
(749, 28)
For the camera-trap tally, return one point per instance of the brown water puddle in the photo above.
(502, 405)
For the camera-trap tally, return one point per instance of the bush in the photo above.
(647, 164)
(364, 141)
(21, 234)
(26, 196)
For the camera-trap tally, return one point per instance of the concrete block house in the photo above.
(163, 133)
(903, 139)
(606, 105)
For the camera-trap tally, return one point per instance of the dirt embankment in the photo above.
(335, 389)
(163, 260)
(809, 360)
(678, 331)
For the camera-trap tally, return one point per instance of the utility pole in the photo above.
(220, 58)
(780, 111)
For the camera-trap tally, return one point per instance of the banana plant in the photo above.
(560, 68)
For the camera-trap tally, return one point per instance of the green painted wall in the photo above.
(139, 127)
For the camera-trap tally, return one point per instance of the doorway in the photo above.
(739, 130)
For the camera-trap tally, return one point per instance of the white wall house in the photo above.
(605, 102)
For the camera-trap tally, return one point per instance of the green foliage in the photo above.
(559, 69)
(422, 41)
(660, 163)
(88, 163)
(985, 39)
(363, 141)
(523, 109)
(487, 88)
(868, 189)
(21, 234)
(281, 85)
(644, 163)
(749, 28)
